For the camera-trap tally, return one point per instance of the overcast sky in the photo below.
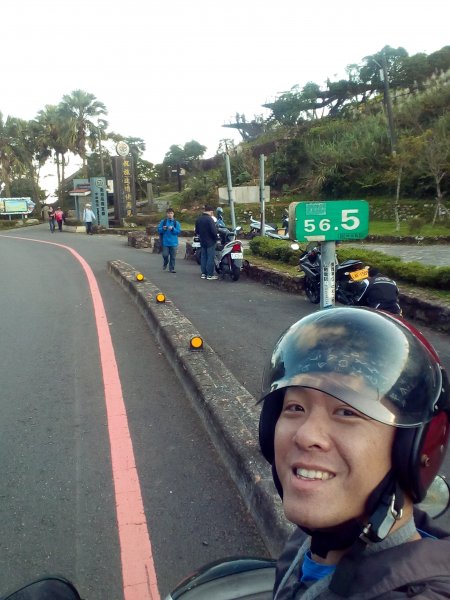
(170, 71)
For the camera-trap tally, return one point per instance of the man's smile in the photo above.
(302, 473)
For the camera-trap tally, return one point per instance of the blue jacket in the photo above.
(169, 237)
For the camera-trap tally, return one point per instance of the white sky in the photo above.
(172, 71)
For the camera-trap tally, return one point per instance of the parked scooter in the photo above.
(347, 273)
(255, 227)
(352, 281)
(229, 253)
(196, 248)
(283, 232)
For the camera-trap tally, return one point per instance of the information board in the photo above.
(16, 206)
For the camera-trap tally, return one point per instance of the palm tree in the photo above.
(10, 161)
(32, 154)
(54, 135)
(83, 111)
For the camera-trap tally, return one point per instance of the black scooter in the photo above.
(350, 277)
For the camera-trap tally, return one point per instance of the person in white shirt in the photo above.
(88, 218)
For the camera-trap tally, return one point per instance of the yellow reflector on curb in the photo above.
(196, 343)
(140, 277)
(160, 298)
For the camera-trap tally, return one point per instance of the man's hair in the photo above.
(208, 208)
(170, 210)
(373, 271)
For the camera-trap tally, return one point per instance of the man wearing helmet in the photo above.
(220, 223)
(355, 423)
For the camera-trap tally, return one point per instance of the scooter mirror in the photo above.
(295, 246)
(229, 579)
(437, 500)
(48, 588)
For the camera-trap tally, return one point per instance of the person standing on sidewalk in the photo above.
(169, 230)
(205, 228)
(88, 218)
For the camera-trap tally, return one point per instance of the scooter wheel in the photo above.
(235, 272)
(312, 291)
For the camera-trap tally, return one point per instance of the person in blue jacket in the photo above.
(169, 230)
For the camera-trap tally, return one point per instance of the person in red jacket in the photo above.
(59, 216)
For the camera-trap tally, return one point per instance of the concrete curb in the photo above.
(228, 411)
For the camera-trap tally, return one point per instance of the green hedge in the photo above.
(409, 272)
(274, 249)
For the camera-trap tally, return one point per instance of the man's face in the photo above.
(329, 458)
(170, 214)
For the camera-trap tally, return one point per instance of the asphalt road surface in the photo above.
(57, 509)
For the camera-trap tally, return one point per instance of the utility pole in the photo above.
(392, 134)
(388, 102)
(230, 190)
(261, 195)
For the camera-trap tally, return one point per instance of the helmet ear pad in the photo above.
(271, 410)
(418, 454)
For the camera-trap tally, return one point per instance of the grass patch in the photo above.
(426, 230)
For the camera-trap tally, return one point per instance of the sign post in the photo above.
(328, 222)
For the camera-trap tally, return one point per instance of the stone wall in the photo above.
(139, 239)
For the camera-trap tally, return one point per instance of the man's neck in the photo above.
(334, 556)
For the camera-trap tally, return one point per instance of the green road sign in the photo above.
(331, 220)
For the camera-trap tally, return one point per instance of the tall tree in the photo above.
(55, 134)
(9, 154)
(33, 154)
(83, 111)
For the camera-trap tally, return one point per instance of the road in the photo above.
(57, 510)
(54, 440)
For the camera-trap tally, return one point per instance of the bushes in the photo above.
(408, 272)
(274, 249)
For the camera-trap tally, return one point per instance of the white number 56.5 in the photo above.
(349, 221)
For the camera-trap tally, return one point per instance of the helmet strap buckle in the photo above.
(389, 510)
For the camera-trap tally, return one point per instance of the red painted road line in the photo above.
(138, 570)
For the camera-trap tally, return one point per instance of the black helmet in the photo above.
(389, 372)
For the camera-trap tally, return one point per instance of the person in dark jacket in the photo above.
(381, 292)
(169, 230)
(205, 228)
(355, 422)
(51, 218)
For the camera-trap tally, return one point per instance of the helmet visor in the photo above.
(368, 360)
